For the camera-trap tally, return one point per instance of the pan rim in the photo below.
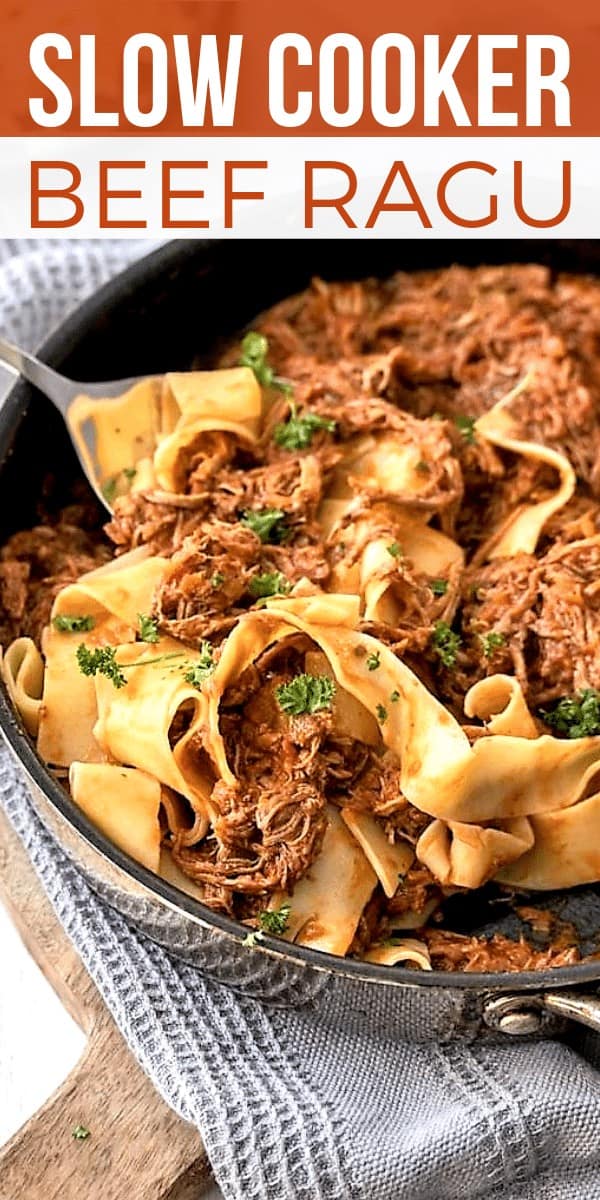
(54, 349)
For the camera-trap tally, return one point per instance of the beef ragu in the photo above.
(428, 451)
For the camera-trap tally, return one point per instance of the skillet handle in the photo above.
(522, 1014)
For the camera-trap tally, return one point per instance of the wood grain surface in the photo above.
(138, 1149)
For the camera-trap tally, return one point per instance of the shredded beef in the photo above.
(415, 359)
(34, 566)
(200, 593)
(459, 952)
(416, 891)
(546, 610)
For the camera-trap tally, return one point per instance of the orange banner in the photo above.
(256, 68)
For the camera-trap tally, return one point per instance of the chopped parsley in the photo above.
(491, 642)
(197, 672)
(395, 696)
(439, 587)
(253, 937)
(217, 580)
(80, 1133)
(395, 550)
(109, 487)
(275, 920)
(305, 694)
(445, 643)
(147, 628)
(466, 425)
(422, 467)
(296, 433)
(373, 661)
(100, 661)
(255, 349)
(271, 583)
(65, 624)
(575, 716)
(267, 523)
(381, 713)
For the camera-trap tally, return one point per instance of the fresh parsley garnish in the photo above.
(109, 489)
(217, 580)
(491, 642)
(422, 467)
(267, 523)
(271, 583)
(296, 433)
(466, 425)
(575, 716)
(195, 675)
(197, 672)
(395, 549)
(275, 920)
(255, 349)
(381, 713)
(100, 661)
(148, 629)
(305, 694)
(255, 935)
(80, 1133)
(65, 624)
(445, 643)
(373, 660)
(395, 696)
(439, 587)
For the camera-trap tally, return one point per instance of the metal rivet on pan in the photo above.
(520, 1023)
(514, 1015)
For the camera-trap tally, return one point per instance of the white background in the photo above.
(281, 214)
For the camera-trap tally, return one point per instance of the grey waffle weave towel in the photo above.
(286, 1110)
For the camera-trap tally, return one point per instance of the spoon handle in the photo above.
(57, 388)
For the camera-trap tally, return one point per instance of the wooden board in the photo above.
(138, 1149)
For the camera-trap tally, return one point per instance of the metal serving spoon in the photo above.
(62, 392)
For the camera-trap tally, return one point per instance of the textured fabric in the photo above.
(285, 1109)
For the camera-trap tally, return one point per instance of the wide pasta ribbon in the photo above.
(547, 849)
(328, 901)
(122, 802)
(22, 669)
(135, 721)
(521, 531)
(463, 855)
(565, 851)
(367, 565)
(112, 596)
(482, 794)
(355, 851)
(198, 402)
(430, 552)
(137, 438)
(499, 777)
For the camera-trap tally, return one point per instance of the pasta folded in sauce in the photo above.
(344, 663)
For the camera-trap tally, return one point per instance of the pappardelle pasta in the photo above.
(343, 663)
